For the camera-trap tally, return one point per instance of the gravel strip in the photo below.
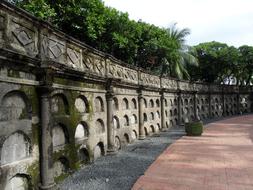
(120, 171)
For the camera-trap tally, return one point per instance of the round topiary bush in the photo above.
(194, 128)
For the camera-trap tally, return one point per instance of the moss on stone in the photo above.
(60, 178)
(69, 82)
(35, 134)
(13, 73)
(33, 171)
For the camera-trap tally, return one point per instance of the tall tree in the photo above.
(215, 63)
(246, 64)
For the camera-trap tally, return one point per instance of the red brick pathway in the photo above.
(221, 159)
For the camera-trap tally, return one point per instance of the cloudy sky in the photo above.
(228, 21)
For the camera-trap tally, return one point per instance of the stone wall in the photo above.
(64, 104)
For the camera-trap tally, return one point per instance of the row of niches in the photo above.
(231, 99)
(151, 116)
(172, 122)
(60, 104)
(124, 104)
(16, 147)
(172, 112)
(62, 164)
(170, 102)
(61, 135)
(151, 103)
(125, 138)
(83, 132)
(216, 100)
(152, 129)
(124, 121)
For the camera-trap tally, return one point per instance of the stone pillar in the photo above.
(46, 160)
(210, 105)
(238, 103)
(141, 119)
(223, 104)
(179, 99)
(110, 127)
(195, 103)
(163, 116)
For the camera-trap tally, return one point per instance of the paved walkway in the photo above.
(221, 159)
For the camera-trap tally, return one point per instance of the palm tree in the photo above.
(174, 64)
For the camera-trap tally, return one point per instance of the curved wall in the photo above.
(64, 104)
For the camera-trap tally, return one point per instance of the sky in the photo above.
(227, 21)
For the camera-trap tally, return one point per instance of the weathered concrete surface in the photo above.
(51, 83)
(120, 171)
(221, 159)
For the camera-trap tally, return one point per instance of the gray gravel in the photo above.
(120, 171)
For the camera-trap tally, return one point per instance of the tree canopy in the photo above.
(161, 50)
(220, 63)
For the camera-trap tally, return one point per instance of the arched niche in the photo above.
(126, 120)
(100, 127)
(145, 118)
(186, 101)
(61, 166)
(99, 104)
(59, 104)
(117, 143)
(165, 102)
(134, 104)
(171, 102)
(146, 131)
(115, 104)
(18, 182)
(99, 150)
(133, 119)
(157, 102)
(134, 134)
(82, 131)
(60, 135)
(145, 103)
(151, 103)
(175, 101)
(152, 128)
(127, 139)
(116, 123)
(15, 106)
(15, 148)
(158, 126)
(82, 104)
(84, 156)
(125, 104)
(157, 114)
(152, 116)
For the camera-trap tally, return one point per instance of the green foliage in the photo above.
(216, 62)
(194, 128)
(244, 69)
(220, 63)
(159, 50)
(38, 8)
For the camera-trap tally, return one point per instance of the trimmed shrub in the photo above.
(194, 128)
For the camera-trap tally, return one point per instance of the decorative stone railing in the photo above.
(24, 34)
